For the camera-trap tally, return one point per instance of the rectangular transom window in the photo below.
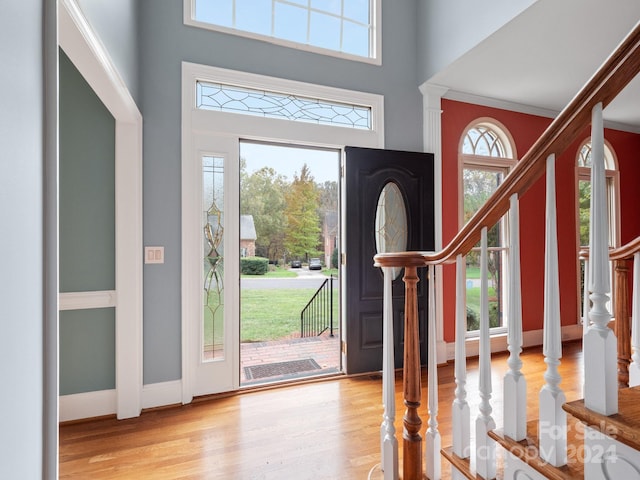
(343, 27)
(263, 103)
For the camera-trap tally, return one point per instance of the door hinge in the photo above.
(343, 258)
(343, 347)
(341, 171)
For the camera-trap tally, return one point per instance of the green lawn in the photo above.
(473, 304)
(271, 313)
(266, 314)
(474, 272)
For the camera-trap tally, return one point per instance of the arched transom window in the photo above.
(484, 139)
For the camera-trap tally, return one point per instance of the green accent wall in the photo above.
(87, 186)
(87, 233)
(87, 350)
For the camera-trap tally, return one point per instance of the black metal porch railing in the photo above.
(317, 316)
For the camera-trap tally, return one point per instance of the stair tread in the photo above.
(463, 465)
(624, 426)
(526, 450)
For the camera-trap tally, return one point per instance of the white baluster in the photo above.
(460, 408)
(600, 345)
(485, 446)
(585, 298)
(515, 385)
(634, 368)
(432, 436)
(552, 428)
(388, 441)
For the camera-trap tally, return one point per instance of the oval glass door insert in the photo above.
(391, 222)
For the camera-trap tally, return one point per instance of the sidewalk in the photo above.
(324, 350)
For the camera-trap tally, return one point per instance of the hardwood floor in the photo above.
(323, 430)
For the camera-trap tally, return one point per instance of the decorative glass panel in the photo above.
(481, 140)
(213, 265)
(584, 157)
(391, 222)
(248, 101)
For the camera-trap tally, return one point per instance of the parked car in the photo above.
(314, 264)
(296, 264)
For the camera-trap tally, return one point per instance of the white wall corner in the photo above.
(432, 143)
(432, 94)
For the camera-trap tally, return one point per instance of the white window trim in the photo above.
(199, 122)
(376, 41)
(249, 126)
(498, 164)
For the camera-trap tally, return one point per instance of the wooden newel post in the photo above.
(622, 327)
(412, 445)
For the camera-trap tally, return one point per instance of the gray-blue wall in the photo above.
(87, 232)
(164, 43)
(23, 434)
(116, 23)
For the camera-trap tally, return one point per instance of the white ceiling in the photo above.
(543, 57)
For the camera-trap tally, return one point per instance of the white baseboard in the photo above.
(87, 405)
(162, 394)
(103, 402)
(530, 338)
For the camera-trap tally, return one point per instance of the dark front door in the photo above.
(367, 171)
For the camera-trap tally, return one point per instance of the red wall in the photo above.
(525, 130)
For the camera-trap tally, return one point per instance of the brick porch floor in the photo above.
(325, 350)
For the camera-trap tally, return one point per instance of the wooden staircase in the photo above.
(600, 436)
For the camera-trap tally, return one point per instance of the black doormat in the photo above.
(280, 368)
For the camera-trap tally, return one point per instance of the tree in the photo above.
(328, 208)
(328, 196)
(301, 213)
(262, 194)
(584, 200)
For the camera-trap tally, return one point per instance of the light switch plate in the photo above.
(153, 254)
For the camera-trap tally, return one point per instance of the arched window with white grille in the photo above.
(486, 154)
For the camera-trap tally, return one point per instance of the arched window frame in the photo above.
(501, 160)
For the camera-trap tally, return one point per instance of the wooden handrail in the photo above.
(625, 252)
(610, 79)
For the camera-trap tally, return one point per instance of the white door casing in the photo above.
(219, 133)
(85, 50)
